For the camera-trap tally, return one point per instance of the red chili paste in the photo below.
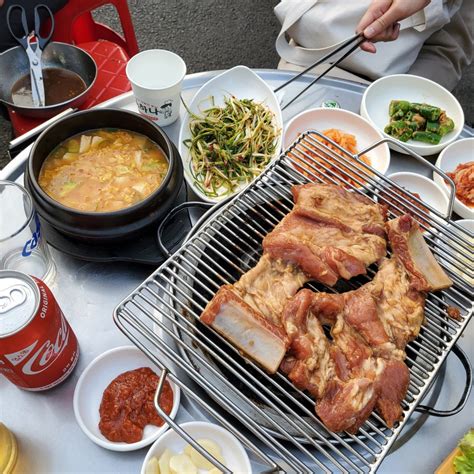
(127, 405)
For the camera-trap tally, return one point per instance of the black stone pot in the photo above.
(103, 226)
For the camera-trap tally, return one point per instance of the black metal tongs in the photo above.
(358, 39)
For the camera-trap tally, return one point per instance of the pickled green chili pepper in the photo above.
(427, 137)
(397, 106)
(430, 112)
(398, 115)
(422, 122)
(446, 125)
(401, 129)
(432, 127)
(405, 136)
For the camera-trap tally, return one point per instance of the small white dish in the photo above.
(321, 119)
(455, 154)
(468, 274)
(430, 192)
(90, 388)
(242, 83)
(234, 454)
(377, 97)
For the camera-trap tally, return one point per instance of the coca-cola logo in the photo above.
(47, 353)
(31, 244)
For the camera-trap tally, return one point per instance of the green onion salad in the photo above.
(230, 145)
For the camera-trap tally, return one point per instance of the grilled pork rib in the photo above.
(310, 243)
(230, 315)
(361, 367)
(330, 233)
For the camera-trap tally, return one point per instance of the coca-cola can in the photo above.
(38, 348)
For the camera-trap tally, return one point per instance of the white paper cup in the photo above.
(156, 76)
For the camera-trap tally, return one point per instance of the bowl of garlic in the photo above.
(171, 454)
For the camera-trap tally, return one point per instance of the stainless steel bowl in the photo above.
(14, 65)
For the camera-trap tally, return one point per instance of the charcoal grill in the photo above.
(162, 316)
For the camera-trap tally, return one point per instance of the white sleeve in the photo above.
(434, 16)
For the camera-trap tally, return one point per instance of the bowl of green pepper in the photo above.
(420, 113)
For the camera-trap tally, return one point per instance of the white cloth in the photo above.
(318, 26)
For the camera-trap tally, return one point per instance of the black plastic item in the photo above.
(465, 395)
(143, 249)
(103, 227)
(163, 241)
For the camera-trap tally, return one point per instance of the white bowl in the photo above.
(455, 154)
(234, 454)
(377, 97)
(90, 388)
(242, 83)
(430, 192)
(321, 119)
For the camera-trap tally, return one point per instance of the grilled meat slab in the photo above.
(269, 285)
(310, 243)
(246, 328)
(410, 246)
(370, 328)
(331, 233)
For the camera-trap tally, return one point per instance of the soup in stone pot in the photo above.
(103, 170)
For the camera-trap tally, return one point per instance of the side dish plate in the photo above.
(376, 100)
(240, 82)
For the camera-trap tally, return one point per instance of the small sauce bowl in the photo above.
(90, 388)
(429, 191)
(376, 100)
(459, 152)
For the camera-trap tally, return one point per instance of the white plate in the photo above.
(90, 388)
(240, 82)
(348, 122)
(430, 192)
(234, 454)
(455, 154)
(377, 97)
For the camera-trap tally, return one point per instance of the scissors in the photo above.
(34, 49)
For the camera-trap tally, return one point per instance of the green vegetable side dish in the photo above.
(230, 145)
(422, 122)
(464, 463)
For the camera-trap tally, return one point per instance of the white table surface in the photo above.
(50, 441)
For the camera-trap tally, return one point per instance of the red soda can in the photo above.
(38, 348)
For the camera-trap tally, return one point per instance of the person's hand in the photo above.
(380, 21)
(1, 3)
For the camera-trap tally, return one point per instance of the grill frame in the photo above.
(345, 453)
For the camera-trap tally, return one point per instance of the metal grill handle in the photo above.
(170, 215)
(175, 426)
(461, 355)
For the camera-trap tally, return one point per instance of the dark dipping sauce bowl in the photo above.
(103, 227)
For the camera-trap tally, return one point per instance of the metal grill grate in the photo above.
(162, 315)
